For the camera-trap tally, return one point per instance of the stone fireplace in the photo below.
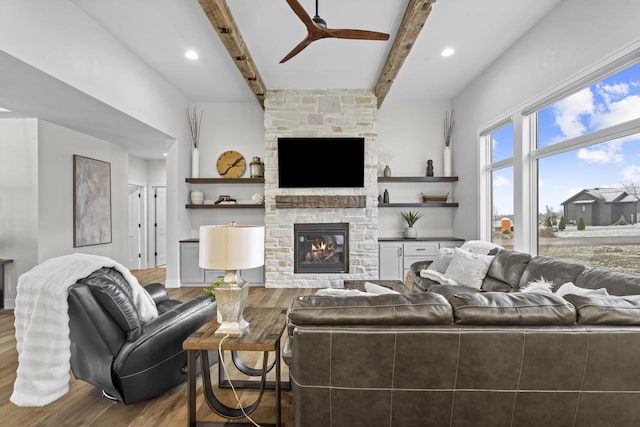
(320, 113)
(320, 248)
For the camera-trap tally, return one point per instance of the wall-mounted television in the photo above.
(320, 162)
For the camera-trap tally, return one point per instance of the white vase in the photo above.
(195, 163)
(197, 197)
(446, 161)
(410, 233)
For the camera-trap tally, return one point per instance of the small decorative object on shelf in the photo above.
(195, 122)
(379, 198)
(429, 167)
(385, 196)
(231, 164)
(225, 200)
(411, 218)
(197, 197)
(256, 168)
(386, 157)
(387, 171)
(434, 198)
(448, 129)
(257, 198)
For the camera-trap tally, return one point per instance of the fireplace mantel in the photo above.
(334, 202)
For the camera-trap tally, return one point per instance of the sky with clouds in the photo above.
(611, 101)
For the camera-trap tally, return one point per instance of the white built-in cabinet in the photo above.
(192, 274)
(396, 256)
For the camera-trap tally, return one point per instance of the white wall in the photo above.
(574, 36)
(18, 199)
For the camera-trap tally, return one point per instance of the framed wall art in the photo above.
(91, 202)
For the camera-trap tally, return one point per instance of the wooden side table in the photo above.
(266, 326)
(2, 263)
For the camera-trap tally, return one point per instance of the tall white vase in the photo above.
(195, 163)
(446, 161)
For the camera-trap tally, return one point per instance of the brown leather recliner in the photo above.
(114, 351)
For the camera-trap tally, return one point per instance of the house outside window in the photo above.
(575, 173)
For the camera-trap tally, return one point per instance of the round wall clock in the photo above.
(231, 164)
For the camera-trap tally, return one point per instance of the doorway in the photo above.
(159, 225)
(135, 236)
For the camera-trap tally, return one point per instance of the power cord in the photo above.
(224, 369)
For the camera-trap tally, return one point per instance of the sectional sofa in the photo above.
(454, 355)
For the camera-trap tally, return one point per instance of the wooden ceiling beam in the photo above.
(222, 21)
(413, 20)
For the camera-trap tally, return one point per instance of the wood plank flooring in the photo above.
(84, 405)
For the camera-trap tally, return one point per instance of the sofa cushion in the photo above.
(553, 270)
(468, 269)
(617, 283)
(424, 308)
(505, 271)
(515, 308)
(449, 290)
(606, 310)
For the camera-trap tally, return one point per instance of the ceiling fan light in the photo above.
(447, 51)
(191, 54)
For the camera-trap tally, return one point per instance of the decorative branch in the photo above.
(448, 127)
(195, 121)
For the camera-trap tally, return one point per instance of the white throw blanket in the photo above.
(42, 324)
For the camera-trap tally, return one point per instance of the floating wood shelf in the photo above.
(417, 205)
(225, 180)
(417, 178)
(229, 206)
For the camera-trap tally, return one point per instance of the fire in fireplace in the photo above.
(321, 248)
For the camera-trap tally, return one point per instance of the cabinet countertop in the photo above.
(420, 239)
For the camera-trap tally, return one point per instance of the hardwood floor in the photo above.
(84, 405)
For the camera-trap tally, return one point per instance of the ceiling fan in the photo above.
(317, 29)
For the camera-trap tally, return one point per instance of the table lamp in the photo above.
(231, 248)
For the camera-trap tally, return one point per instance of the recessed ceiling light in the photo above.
(447, 51)
(4, 110)
(191, 54)
(164, 154)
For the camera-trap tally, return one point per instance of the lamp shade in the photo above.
(231, 247)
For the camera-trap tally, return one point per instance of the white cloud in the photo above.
(614, 91)
(568, 112)
(617, 112)
(609, 152)
(500, 181)
(631, 174)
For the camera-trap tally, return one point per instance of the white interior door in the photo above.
(134, 242)
(160, 225)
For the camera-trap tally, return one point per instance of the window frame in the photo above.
(526, 154)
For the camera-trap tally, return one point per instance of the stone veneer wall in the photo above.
(320, 113)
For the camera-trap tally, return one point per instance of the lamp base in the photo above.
(231, 296)
(233, 329)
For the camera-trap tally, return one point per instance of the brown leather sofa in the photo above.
(476, 358)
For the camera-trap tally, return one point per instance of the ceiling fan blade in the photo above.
(356, 34)
(296, 50)
(301, 13)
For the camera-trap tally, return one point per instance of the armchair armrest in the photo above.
(162, 337)
(158, 292)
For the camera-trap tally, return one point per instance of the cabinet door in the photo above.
(190, 271)
(390, 261)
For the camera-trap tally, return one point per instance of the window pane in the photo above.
(598, 187)
(502, 207)
(611, 101)
(502, 143)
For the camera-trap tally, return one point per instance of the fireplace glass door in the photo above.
(321, 248)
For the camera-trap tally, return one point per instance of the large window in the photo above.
(568, 178)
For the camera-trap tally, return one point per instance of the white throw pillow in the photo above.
(468, 269)
(442, 260)
(481, 247)
(372, 288)
(540, 286)
(436, 276)
(336, 292)
(570, 288)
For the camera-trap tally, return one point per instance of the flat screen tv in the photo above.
(320, 162)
